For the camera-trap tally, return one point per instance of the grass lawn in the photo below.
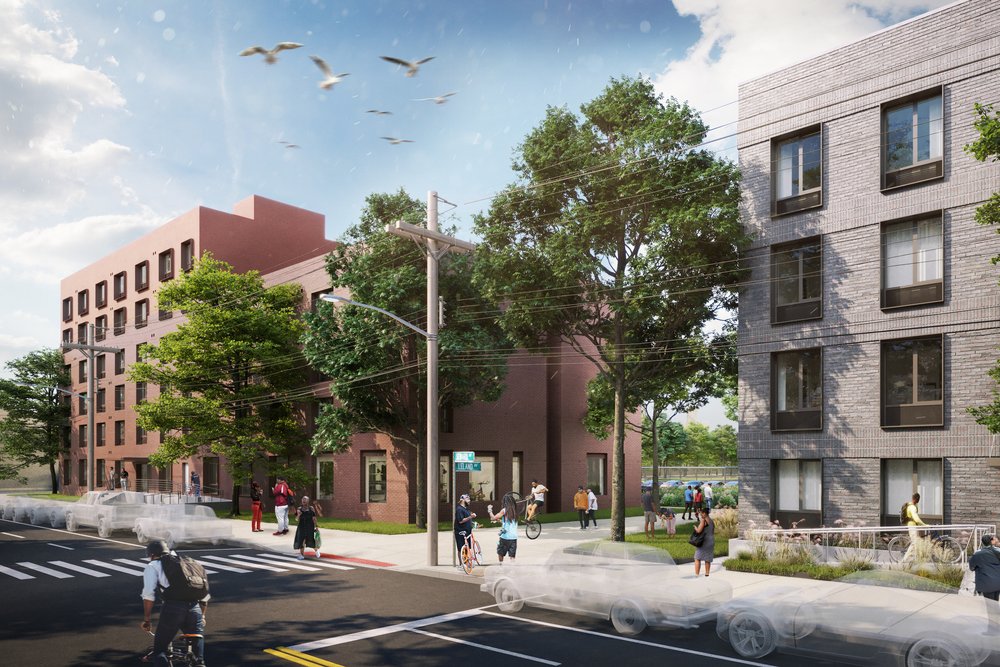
(677, 545)
(50, 496)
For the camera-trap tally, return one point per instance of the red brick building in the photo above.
(534, 431)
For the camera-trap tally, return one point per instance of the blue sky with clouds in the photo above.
(118, 116)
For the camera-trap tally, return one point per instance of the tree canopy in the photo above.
(621, 236)
(33, 429)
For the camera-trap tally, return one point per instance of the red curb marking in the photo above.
(360, 561)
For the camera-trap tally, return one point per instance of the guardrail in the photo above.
(166, 491)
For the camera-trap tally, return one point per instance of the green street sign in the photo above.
(468, 466)
(463, 457)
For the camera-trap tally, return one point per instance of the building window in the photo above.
(141, 313)
(187, 255)
(67, 309)
(67, 336)
(517, 471)
(797, 281)
(119, 362)
(81, 435)
(140, 435)
(444, 478)
(210, 475)
(142, 276)
(81, 332)
(99, 470)
(912, 140)
(121, 316)
(165, 314)
(324, 476)
(374, 483)
(913, 262)
(797, 390)
(101, 433)
(67, 473)
(82, 469)
(102, 363)
(101, 328)
(447, 417)
(797, 486)
(140, 392)
(167, 264)
(119, 433)
(483, 482)
(121, 286)
(83, 302)
(102, 402)
(82, 370)
(797, 171)
(901, 478)
(101, 294)
(597, 473)
(82, 404)
(119, 397)
(913, 382)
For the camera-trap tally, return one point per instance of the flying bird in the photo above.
(394, 140)
(411, 68)
(270, 57)
(440, 99)
(331, 79)
(378, 112)
(289, 145)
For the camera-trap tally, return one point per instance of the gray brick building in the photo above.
(871, 316)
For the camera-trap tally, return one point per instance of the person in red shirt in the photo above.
(281, 495)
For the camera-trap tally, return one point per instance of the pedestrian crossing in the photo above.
(231, 563)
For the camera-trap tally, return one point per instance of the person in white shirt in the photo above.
(707, 493)
(592, 507)
(538, 491)
(188, 617)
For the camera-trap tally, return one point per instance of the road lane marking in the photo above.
(300, 658)
(255, 566)
(60, 546)
(79, 568)
(628, 639)
(14, 573)
(116, 568)
(312, 562)
(46, 570)
(388, 630)
(143, 563)
(220, 566)
(483, 646)
(20, 537)
(291, 565)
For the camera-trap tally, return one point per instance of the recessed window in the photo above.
(140, 392)
(67, 309)
(797, 390)
(101, 294)
(901, 478)
(597, 473)
(101, 327)
(121, 286)
(82, 470)
(913, 262)
(119, 397)
(142, 276)
(101, 434)
(82, 366)
(67, 471)
(797, 488)
(913, 382)
(119, 433)
(102, 364)
(165, 314)
(324, 476)
(83, 302)
(912, 140)
(82, 404)
(119, 362)
(102, 400)
(81, 332)
(140, 435)
(67, 336)
(516, 471)
(141, 313)
(121, 317)
(187, 255)
(483, 482)
(81, 439)
(797, 171)
(374, 482)
(166, 264)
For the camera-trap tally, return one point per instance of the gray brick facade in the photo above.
(957, 50)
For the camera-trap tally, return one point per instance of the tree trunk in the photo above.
(237, 487)
(54, 476)
(656, 457)
(618, 454)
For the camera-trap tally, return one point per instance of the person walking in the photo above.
(111, 478)
(507, 516)
(699, 501)
(707, 493)
(124, 479)
(648, 514)
(688, 512)
(463, 523)
(256, 507)
(175, 614)
(305, 531)
(281, 495)
(196, 485)
(706, 552)
(912, 520)
(592, 506)
(580, 505)
(986, 564)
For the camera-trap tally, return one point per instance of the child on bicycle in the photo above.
(507, 516)
(463, 522)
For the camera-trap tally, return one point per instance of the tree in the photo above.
(230, 375)
(987, 148)
(377, 367)
(620, 237)
(32, 431)
(672, 439)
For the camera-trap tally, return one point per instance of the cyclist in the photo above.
(463, 523)
(538, 491)
(507, 516)
(175, 615)
(912, 520)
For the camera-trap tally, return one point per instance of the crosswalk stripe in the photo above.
(46, 570)
(143, 563)
(255, 566)
(317, 561)
(293, 565)
(14, 573)
(78, 568)
(220, 566)
(116, 568)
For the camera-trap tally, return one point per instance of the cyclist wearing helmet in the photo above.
(175, 615)
(463, 522)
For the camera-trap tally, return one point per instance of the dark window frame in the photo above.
(141, 313)
(67, 309)
(119, 362)
(100, 327)
(187, 255)
(101, 294)
(81, 332)
(101, 436)
(798, 419)
(918, 172)
(120, 323)
(918, 292)
(890, 514)
(83, 302)
(142, 276)
(120, 285)
(166, 264)
(119, 432)
(802, 517)
(604, 472)
(366, 494)
(141, 435)
(917, 414)
(102, 402)
(805, 200)
(119, 397)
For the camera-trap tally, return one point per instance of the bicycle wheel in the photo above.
(897, 547)
(532, 529)
(946, 550)
(477, 551)
(468, 561)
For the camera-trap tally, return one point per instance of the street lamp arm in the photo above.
(68, 392)
(333, 297)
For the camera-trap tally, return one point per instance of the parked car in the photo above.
(714, 483)
(693, 483)
(17, 508)
(733, 484)
(633, 585)
(108, 511)
(916, 623)
(49, 512)
(671, 484)
(175, 524)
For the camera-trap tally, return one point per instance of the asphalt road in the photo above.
(73, 599)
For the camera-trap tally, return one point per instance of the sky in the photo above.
(116, 117)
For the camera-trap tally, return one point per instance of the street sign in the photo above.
(468, 466)
(464, 457)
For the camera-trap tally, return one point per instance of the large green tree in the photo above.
(620, 236)
(230, 375)
(377, 366)
(987, 149)
(32, 430)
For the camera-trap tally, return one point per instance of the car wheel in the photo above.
(507, 597)
(71, 524)
(938, 652)
(140, 535)
(751, 635)
(104, 527)
(627, 618)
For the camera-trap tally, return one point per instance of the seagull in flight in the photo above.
(440, 99)
(379, 112)
(289, 145)
(411, 67)
(394, 140)
(331, 79)
(270, 57)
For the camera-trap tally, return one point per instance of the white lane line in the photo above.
(20, 537)
(483, 646)
(60, 546)
(143, 563)
(14, 573)
(220, 566)
(255, 566)
(312, 561)
(78, 568)
(46, 570)
(379, 632)
(292, 565)
(117, 568)
(628, 639)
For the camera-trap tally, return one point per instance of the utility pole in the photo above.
(435, 245)
(90, 352)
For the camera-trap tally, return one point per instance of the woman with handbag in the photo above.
(703, 539)
(307, 530)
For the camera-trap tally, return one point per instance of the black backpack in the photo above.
(188, 580)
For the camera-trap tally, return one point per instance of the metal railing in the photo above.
(686, 473)
(169, 492)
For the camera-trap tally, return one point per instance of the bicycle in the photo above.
(532, 527)
(180, 651)
(472, 553)
(943, 548)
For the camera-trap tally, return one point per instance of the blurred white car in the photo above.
(108, 511)
(17, 508)
(48, 512)
(633, 585)
(879, 617)
(182, 523)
